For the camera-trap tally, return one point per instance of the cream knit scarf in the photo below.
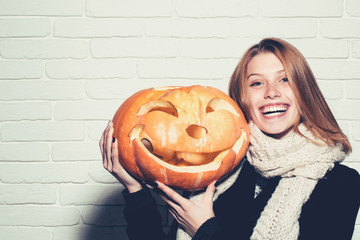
(299, 162)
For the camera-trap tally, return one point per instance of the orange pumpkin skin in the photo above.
(195, 135)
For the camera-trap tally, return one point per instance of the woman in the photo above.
(290, 186)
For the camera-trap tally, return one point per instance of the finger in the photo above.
(175, 215)
(101, 142)
(103, 146)
(174, 196)
(109, 139)
(209, 193)
(115, 156)
(173, 205)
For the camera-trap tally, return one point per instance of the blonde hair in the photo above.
(313, 109)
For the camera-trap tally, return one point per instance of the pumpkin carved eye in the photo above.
(162, 106)
(220, 104)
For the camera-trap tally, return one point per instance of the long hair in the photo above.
(314, 111)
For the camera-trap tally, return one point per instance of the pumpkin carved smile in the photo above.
(185, 137)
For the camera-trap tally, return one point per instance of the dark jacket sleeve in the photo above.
(207, 230)
(331, 211)
(142, 216)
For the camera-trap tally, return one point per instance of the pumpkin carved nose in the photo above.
(196, 131)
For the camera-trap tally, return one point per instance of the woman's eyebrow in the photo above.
(254, 74)
(259, 74)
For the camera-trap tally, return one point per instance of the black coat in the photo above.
(329, 213)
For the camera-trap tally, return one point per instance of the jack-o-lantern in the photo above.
(185, 137)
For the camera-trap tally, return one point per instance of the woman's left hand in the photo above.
(190, 215)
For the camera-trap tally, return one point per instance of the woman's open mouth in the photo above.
(274, 110)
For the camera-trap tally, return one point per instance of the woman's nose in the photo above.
(272, 91)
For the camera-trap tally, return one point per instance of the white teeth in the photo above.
(274, 110)
(273, 114)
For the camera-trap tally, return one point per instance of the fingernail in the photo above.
(152, 184)
(217, 183)
(113, 140)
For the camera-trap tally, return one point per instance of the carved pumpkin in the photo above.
(185, 137)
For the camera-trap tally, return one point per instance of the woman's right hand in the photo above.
(110, 156)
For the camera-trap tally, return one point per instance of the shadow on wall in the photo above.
(106, 222)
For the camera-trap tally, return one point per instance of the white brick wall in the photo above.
(67, 65)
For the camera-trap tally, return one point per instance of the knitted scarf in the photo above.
(299, 162)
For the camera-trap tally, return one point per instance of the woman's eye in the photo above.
(254, 84)
(284, 80)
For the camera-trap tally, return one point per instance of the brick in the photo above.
(43, 49)
(340, 28)
(113, 89)
(24, 152)
(353, 9)
(86, 110)
(41, 90)
(44, 173)
(133, 47)
(41, 7)
(352, 89)
(45, 216)
(213, 48)
(30, 69)
(322, 48)
(27, 194)
(188, 28)
(21, 233)
(25, 27)
(345, 109)
(305, 8)
(355, 130)
(89, 233)
(108, 89)
(178, 68)
(109, 215)
(356, 49)
(260, 28)
(90, 69)
(96, 129)
(84, 151)
(335, 69)
(25, 111)
(332, 89)
(42, 131)
(91, 194)
(217, 8)
(99, 174)
(129, 8)
(91, 28)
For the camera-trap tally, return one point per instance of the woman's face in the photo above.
(272, 103)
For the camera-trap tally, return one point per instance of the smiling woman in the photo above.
(272, 103)
(296, 76)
